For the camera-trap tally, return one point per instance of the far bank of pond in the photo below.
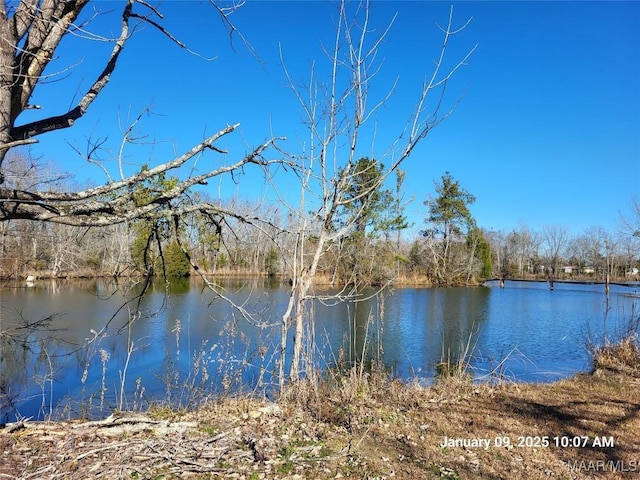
(191, 341)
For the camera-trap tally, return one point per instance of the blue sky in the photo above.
(547, 130)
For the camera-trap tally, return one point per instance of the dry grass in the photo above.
(360, 425)
(623, 356)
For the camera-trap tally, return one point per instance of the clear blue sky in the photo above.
(548, 129)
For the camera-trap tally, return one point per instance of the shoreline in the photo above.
(362, 427)
(418, 280)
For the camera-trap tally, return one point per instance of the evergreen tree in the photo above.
(272, 263)
(364, 198)
(449, 212)
(176, 263)
(450, 221)
(372, 212)
(479, 246)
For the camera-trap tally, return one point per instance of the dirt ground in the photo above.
(369, 427)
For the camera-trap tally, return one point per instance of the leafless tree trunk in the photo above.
(337, 122)
(556, 239)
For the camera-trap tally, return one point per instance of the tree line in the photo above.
(451, 249)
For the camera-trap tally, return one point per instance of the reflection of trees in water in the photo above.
(406, 329)
(461, 317)
(175, 326)
(46, 334)
(29, 350)
(363, 344)
(411, 328)
(453, 320)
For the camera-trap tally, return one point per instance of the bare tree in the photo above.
(31, 32)
(630, 224)
(579, 250)
(524, 244)
(337, 114)
(555, 239)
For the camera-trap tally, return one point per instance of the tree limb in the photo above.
(34, 59)
(114, 203)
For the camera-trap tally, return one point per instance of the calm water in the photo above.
(192, 341)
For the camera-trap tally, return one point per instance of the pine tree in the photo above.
(373, 213)
(450, 221)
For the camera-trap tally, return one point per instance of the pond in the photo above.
(67, 348)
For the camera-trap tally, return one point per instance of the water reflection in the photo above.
(185, 339)
(423, 325)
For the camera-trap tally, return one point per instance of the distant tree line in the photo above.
(450, 250)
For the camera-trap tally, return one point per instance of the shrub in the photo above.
(176, 263)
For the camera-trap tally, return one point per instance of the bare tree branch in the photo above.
(113, 203)
(54, 31)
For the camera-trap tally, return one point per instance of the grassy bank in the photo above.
(362, 426)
